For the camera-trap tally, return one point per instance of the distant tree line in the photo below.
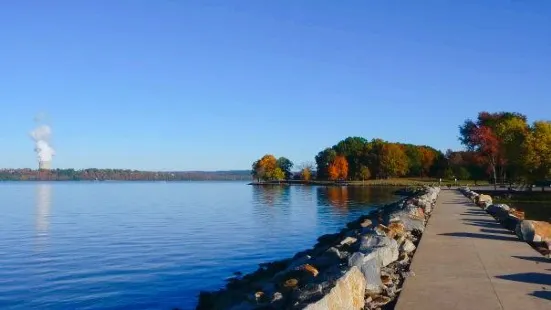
(118, 175)
(500, 147)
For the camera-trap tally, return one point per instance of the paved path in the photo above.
(468, 261)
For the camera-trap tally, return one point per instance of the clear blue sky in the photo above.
(186, 85)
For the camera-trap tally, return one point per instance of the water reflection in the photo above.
(271, 195)
(42, 211)
(337, 196)
(534, 211)
(343, 197)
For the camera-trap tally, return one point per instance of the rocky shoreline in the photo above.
(535, 233)
(361, 267)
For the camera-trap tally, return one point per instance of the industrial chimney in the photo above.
(43, 149)
(44, 165)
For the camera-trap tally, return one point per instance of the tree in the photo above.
(448, 174)
(428, 156)
(306, 174)
(364, 173)
(394, 162)
(338, 168)
(352, 148)
(536, 151)
(462, 173)
(306, 171)
(415, 159)
(495, 136)
(278, 174)
(323, 159)
(285, 165)
(264, 168)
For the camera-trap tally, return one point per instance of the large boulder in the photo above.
(502, 213)
(348, 293)
(411, 217)
(484, 200)
(382, 248)
(498, 209)
(510, 222)
(371, 270)
(534, 231)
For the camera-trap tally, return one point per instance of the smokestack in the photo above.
(44, 152)
(45, 165)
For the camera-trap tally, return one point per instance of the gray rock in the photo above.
(329, 258)
(309, 292)
(408, 246)
(368, 242)
(383, 249)
(370, 269)
(525, 231)
(510, 222)
(410, 222)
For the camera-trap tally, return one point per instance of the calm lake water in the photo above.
(145, 245)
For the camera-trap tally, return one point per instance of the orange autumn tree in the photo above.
(265, 168)
(428, 157)
(338, 168)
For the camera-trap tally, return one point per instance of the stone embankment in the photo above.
(536, 233)
(361, 267)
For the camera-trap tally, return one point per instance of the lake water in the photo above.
(146, 245)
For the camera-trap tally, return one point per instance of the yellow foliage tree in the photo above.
(536, 151)
(306, 174)
(394, 162)
(278, 174)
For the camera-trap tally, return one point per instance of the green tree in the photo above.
(365, 174)
(352, 148)
(285, 165)
(323, 159)
(415, 159)
(463, 174)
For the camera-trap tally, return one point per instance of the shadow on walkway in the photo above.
(529, 277)
(474, 214)
(481, 236)
(536, 259)
(542, 294)
(496, 231)
(482, 223)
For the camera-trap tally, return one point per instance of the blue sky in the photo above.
(206, 85)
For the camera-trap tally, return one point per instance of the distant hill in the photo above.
(120, 174)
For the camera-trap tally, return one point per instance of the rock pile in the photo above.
(536, 233)
(361, 267)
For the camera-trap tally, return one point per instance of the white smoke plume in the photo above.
(41, 136)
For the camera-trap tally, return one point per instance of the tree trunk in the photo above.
(495, 176)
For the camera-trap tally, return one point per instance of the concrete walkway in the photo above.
(468, 261)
